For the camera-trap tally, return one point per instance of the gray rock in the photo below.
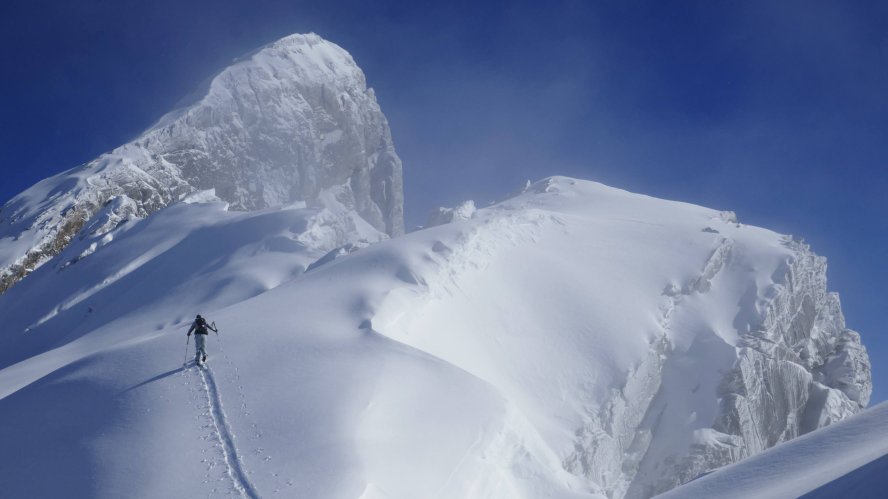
(293, 121)
(797, 368)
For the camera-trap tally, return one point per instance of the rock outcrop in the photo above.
(798, 369)
(795, 368)
(293, 121)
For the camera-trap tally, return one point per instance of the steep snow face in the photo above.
(848, 459)
(573, 341)
(194, 255)
(795, 367)
(294, 121)
(302, 398)
(654, 341)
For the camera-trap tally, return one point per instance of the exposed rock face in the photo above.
(797, 371)
(796, 368)
(293, 121)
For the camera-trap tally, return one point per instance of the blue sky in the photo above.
(776, 110)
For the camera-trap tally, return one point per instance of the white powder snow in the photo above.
(573, 341)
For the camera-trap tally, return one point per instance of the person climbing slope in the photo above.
(201, 330)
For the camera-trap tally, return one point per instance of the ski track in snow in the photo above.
(233, 463)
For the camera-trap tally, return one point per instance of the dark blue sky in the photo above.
(776, 110)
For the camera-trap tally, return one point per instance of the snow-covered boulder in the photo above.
(442, 215)
(289, 122)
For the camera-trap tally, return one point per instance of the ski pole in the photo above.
(185, 361)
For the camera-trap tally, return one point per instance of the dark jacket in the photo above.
(200, 326)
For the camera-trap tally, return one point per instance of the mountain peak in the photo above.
(292, 121)
(307, 58)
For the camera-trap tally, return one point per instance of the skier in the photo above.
(201, 330)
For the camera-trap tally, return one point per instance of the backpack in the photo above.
(201, 326)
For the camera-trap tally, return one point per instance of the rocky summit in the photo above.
(291, 122)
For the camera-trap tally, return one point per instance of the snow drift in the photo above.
(293, 121)
(848, 459)
(573, 341)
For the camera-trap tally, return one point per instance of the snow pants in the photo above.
(200, 346)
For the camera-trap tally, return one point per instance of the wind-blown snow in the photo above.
(573, 341)
(293, 121)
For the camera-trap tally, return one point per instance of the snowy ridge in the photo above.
(294, 121)
(624, 433)
(573, 341)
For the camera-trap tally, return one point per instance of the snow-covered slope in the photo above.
(848, 459)
(654, 340)
(573, 341)
(294, 121)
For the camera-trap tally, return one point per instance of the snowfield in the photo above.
(566, 342)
